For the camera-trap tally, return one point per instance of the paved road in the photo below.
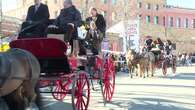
(174, 92)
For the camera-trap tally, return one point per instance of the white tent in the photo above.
(118, 28)
(127, 29)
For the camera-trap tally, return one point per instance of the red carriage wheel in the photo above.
(58, 91)
(81, 92)
(108, 80)
(164, 67)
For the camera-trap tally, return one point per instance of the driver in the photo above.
(37, 19)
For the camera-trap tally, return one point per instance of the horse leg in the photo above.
(136, 69)
(152, 69)
(140, 70)
(143, 72)
(14, 100)
(131, 72)
(147, 69)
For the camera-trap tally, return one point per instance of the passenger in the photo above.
(67, 22)
(168, 47)
(148, 44)
(36, 20)
(69, 17)
(97, 29)
(159, 44)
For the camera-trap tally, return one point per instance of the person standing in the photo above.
(96, 23)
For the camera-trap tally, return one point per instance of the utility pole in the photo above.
(86, 7)
(126, 42)
(1, 15)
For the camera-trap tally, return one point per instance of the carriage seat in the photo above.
(28, 29)
(50, 52)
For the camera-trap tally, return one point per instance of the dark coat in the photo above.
(69, 15)
(100, 23)
(39, 23)
(42, 14)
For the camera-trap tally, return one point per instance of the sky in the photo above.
(10, 4)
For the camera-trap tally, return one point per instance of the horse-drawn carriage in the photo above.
(164, 58)
(164, 61)
(151, 56)
(67, 75)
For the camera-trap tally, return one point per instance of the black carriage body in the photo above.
(50, 52)
(54, 65)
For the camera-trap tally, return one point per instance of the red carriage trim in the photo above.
(42, 47)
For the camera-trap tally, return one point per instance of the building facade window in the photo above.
(114, 2)
(148, 6)
(140, 5)
(193, 23)
(55, 1)
(104, 1)
(170, 21)
(164, 21)
(156, 20)
(178, 22)
(157, 7)
(148, 19)
(186, 23)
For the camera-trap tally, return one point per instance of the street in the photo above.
(174, 92)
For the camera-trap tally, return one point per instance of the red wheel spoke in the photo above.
(83, 86)
(83, 102)
(109, 80)
(83, 92)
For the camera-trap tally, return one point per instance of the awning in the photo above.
(118, 28)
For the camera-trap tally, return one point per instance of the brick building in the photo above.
(9, 26)
(157, 19)
(111, 9)
(159, 13)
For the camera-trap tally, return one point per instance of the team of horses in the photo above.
(140, 63)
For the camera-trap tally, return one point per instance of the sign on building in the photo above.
(133, 34)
